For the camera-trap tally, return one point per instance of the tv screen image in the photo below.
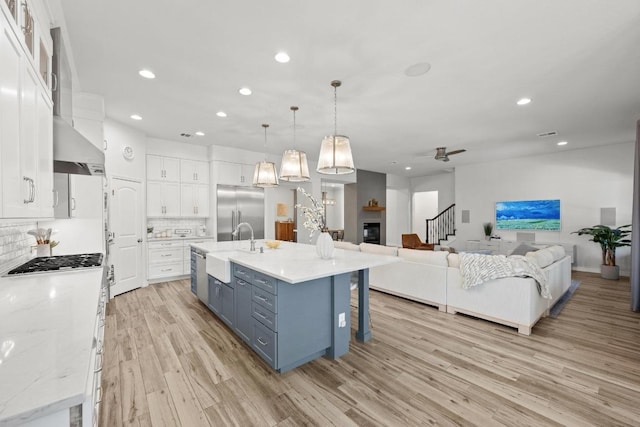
(528, 215)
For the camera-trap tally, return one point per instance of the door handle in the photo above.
(139, 240)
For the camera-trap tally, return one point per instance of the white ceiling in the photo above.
(578, 60)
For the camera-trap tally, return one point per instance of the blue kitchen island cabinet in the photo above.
(288, 324)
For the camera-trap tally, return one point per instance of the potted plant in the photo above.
(488, 229)
(609, 239)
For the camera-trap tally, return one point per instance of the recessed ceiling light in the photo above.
(417, 69)
(562, 143)
(200, 133)
(282, 57)
(136, 117)
(244, 91)
(147, 74)
(407, 168)
(523, 101)
(221, 114)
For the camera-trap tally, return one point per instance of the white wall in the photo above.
(425, 206)
(118, 136)
(398, 211)
(182, 150)
(584, 180)
(443, 183)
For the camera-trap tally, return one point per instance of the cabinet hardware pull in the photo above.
(166, 269)
(261, 315)
(98, 365)
(56, 198)
(263, 282)
(54, 86)
(165, 255)
(261, 298)
(262, 342)
(99, 393)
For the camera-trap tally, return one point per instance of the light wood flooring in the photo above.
(169, 361)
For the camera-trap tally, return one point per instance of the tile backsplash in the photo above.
(15, 243)
(162, 224)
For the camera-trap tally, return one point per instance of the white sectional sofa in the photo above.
(512, 301)
(420, 276)
(434, 278)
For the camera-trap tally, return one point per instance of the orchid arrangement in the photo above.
(314, 215)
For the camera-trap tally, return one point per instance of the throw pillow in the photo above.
(523, 249)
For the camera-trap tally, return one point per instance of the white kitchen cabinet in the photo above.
(194, 172)
(170, 258)
(77, 196)
(163, 199)
(44, 194)
(233, 173)
(166, 169)
(195, 200)
(10, 58)
(26, 142)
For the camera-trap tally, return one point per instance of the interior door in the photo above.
(126, 228)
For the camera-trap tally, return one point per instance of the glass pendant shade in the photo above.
(335, 156)
(265, 175)
(294, 166)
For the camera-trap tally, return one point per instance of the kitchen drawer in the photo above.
(264, 316)
(265, 299)
(165, 270)
(164, 256)
(264, 342)
(169, 244)
(265, 282)
(243, 273)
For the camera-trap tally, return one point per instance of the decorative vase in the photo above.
(610, 272)
(324, 246)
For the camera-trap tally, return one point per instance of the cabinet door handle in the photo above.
(260, 315)
(261, 341)
(165, 255)
(261, 298)
(73, 203)
(166, 269)
(54, 83)
(56, 199)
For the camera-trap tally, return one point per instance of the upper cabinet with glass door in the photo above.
(30, 22)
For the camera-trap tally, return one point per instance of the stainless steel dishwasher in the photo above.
(202, 285)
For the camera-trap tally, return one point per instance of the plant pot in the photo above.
(611, 272)
(487, 237)
(324, 246)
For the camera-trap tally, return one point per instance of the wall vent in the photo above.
(546, 134)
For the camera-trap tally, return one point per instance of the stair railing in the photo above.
(441, 226)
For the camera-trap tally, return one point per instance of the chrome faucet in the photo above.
(253, 242)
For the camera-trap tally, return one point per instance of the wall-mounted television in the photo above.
(528, 215)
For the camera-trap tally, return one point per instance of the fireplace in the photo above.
(371, 232)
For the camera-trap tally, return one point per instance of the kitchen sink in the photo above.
(219, 265)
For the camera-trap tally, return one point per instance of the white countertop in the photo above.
(295, 262)
(46, 335)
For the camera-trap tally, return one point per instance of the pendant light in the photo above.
(335, 152)
(294, 167)
(265, 175)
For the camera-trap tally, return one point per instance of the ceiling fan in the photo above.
(442, 155)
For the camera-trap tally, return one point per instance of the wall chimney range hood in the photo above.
(72, 152)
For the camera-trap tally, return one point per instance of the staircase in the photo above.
(442, 227)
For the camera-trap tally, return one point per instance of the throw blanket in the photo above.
(477, 268)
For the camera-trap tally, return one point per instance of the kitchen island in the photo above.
(288, 304)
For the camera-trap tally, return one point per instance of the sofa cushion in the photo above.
(454, 260)
(522, 249)
(424, 257)
(557, 251)
(346, 245)
(378, 249)
(543, 257)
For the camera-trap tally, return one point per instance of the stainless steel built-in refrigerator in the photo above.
(236, 205)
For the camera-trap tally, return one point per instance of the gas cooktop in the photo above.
(60, 262)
